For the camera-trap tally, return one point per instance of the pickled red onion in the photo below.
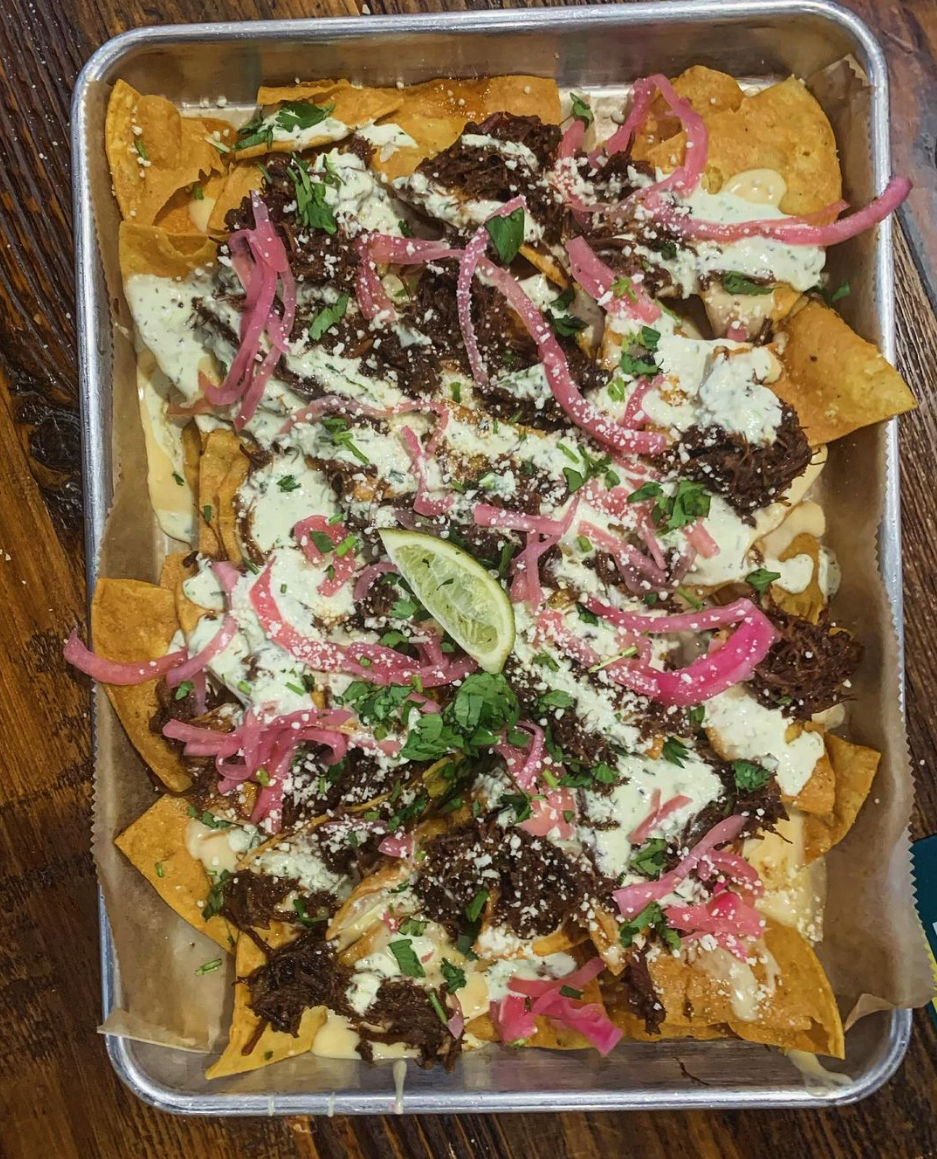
(343, 565)
(368, 576)
(564, 389)
(423, 505)
(633, 898)
(113, 671)
(657, 815)
(486, 515)
(792, 231)
(551, 813)
(596, 278)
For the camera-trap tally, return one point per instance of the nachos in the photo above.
(496, 684)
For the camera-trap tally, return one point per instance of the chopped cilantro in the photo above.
(312, 209)
(406, 230)
(438, 1007)
(262, 777)
(206, 513)
(177, 479)
(301, 115)
(646, 491)
(675, 751)
(570, 992)
(650, 919)
(474, 908)
(749, 776)
(649, 859)
(328, 316)
(288, 483)
(695, 603)
(583, 543)
(183, 690)
(689, 502)
(582, 111)
(555, 698)
(546, 661)
(141, 148)
(696, 714)
(299, 905)
(507, 233)
(734, 282)
(412, 926)
(160, 869)
(209, 967)
(586, 615)
(407, 960)
(760, 579)
(453, 976)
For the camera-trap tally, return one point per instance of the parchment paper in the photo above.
(873, 950)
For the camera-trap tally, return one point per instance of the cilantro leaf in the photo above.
(301, 115)
(649, 859)
(288, 483)
(582, 111)
(749, 776)
(312, 209)
(555, 698)
(650, 919)
(675, 751)
(689, 502)
(507, 233)
(328, 316)
(409, 963)
(646, 491)
(476, 905)
(453, 976)
(734, 282)
(761, 579)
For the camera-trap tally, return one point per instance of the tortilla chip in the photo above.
(809, 603)
(435, 113)
(835, 380)
(155, 845)
(147, 249)
(185, 213)
(351, 104)
(131, 620)
(854, 768)
(803, 994)
(546, 264)
(270, 1045)
(708, 91)
(549, 1035)
(819, 793)
(781, 128)
(153, 151)
(240, 181)
(221, 455)
(227, 511)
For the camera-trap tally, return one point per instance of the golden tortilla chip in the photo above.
(835, 380)
(546, 264)
(781, 128)
(221, 455)
(240, 181)
(809, 603)
(153, 151)
(351, 104)
(228, 513)
(803, 995)
(155, 845)
(435, 113)
(795, 997)
(131, 620)
(246, 1049)
(854, 768)
(708, 91)
(147, 249)
(189, 209)
(819, 793)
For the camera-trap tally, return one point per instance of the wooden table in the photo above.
(58, 1096)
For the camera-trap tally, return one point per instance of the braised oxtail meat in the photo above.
(642, 998)
(402, 1012)
(297, 976)
(808, 668)
(748, 475)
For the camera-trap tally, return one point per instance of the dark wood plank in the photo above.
(58, 1096)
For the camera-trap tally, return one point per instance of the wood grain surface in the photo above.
(58, 1096)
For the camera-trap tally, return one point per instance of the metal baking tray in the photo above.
(593, 48)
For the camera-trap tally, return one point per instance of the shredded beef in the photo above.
(483, 173)
(315, 256)
(297, 976)
(640, 994)
(807, 666)
(535, 886)
(253, 900)
(401, 1012)
(748, 475)
(761, 808)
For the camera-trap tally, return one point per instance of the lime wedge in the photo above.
(457, 591)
